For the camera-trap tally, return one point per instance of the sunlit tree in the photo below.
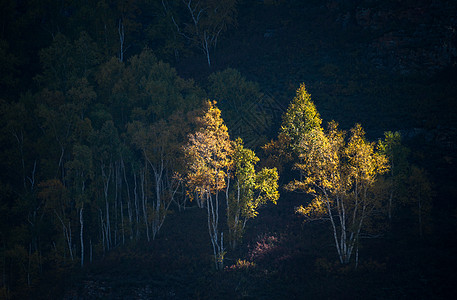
(300, 118)
(209, 153)
(341, 175)
(250, 190)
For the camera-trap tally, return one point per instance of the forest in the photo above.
(275, 149)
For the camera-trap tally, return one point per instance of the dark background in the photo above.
(388, 65)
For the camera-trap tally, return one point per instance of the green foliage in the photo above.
(300, 118)
(251, 190)
(146, 89)
(209, 154)
(65, 61)
(397, 154)
(341, 173)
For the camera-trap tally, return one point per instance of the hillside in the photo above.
(92, 146)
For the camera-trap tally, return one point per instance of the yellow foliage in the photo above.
(209, 153)
(316, 209)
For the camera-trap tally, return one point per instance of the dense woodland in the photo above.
(227, 149)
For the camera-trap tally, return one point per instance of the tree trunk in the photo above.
(106, 181)
(143, 202)
(420, 215)
(81, 222)
(129, 208)
(137, 207)
(121, 40)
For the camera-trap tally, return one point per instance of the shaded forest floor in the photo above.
(283, 258)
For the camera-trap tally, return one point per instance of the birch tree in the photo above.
(250, 190)
(58, 203)
(80, 171)
(106, 144)
(203, 21)
(341, 176)
(209, 153)
(157, 144)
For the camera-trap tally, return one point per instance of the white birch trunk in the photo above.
(143, 202)
(66, 233)
(106, 181)
(81, 222)
(137, 208)
(121, 40)
(129, 208)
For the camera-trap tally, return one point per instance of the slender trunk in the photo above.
(332, 221)
(392, 167)
(32, 178)
(420, 215)
(20, 144)
(137, 208)
(106, 182)
(121, 40)
(357, 256)
(62, 152)
(130, 213)
(116, 199)
(102, 227)
(211, 227)
(29, 265)
(129, 208)
(233, 232)
(69, 240)
(107, 226)
(143, 202)
(81, 222)
(206, 48)
(199, 201)
(66, 233)
(122, 222)
(158, 203)
(121, 205)
(390, 204)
